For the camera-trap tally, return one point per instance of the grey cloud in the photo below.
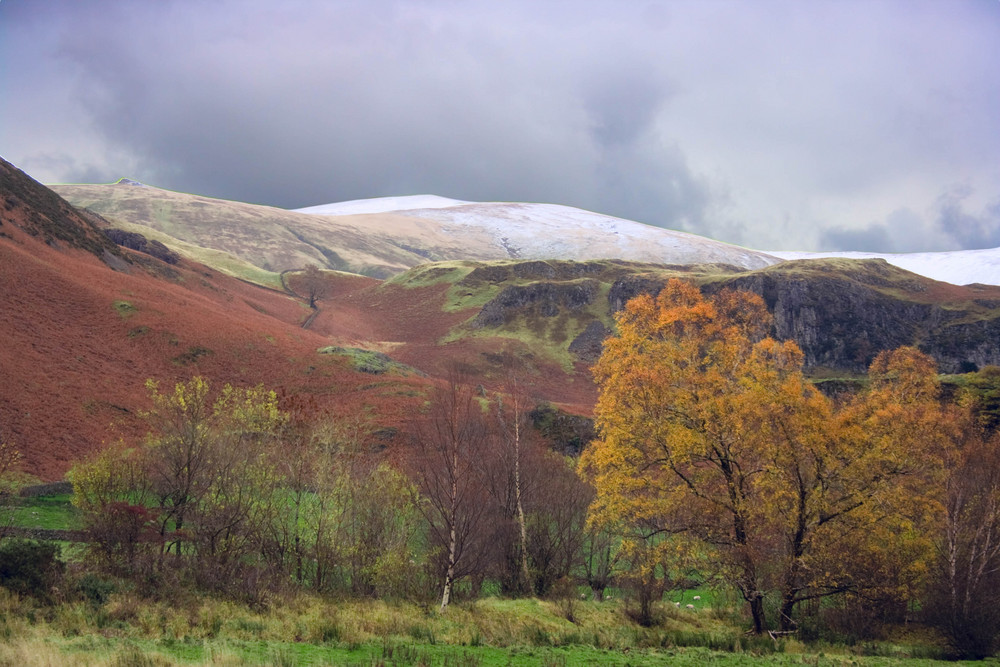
(902, 230)
(363, 105)
(971, 231)
(624, 108)
(718, 118)
(874, 238)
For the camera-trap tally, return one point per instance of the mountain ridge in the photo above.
(384, 236)
(380, 243)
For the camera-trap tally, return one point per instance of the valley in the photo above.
(327, 360)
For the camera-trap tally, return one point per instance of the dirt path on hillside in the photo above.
(315, 309)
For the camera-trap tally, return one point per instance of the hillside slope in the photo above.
(86, 322)
(554, 314)
(80, 339)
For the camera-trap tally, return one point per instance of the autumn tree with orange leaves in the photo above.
(710, 438)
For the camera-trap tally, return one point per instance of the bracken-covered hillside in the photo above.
(84, 323)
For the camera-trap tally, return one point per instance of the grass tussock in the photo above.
(125, 630)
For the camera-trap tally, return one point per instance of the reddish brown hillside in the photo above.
(409, 323)
(79, 339)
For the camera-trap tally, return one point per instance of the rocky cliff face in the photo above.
(960, 347)
(540, 299)
(841, 312)
(842, 315)
(838, 323)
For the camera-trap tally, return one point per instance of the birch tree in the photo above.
(447, 457)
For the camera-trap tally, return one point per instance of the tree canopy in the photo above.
(709, 433)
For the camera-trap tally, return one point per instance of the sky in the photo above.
(867, 125)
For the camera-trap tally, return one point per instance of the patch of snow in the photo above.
(958, 267)
(381, 205)
(546, 231)
(129, 181)
(540, 231)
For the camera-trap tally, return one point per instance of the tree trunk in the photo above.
(749, 586)
(449, 575)
(520, 506)
(757, 612)
(785, 622)
(792, 585)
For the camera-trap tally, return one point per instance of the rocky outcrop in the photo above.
(961, 347)
(629, 287)
(843, 318)
(840, 323)
(139, 243)
(587, 346)
(541, 299)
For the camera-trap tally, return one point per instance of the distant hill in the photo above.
(384, 237)
(841, 312)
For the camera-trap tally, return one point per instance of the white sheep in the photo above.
(690, 606)
(697, 597)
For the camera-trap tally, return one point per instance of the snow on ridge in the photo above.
(541, 231)
(381, 205)
(537, 231)
(958, 267)
(534, 231)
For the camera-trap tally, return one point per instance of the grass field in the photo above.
(302, 629)
(48, 512)
(103, 651)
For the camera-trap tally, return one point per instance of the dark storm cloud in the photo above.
(303, 103)
(718, 118)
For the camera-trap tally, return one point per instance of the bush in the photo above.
(30, 568)
(95, 590)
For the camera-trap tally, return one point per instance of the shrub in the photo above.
(30, 568)
(94, 589)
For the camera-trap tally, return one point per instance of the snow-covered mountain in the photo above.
(959, 267)
(545, 231)
(549, 230)
(385, 236)
(382, 205)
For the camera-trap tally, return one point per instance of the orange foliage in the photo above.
(708, 429)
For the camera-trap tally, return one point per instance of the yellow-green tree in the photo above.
(111, 487)
(10, 457)
(708, 429)
(211, 475)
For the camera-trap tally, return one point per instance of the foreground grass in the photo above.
(306, 630)
(100, 651)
